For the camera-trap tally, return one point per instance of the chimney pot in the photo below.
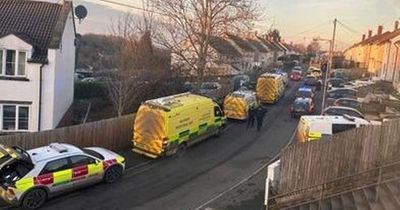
(369, 34)
(380, 30)
(396, 25)
(363, 37)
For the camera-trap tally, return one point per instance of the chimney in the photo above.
(380, 30)
(396, 25)
(363, 37)
(369, 34)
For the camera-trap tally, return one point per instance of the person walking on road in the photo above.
(251, 117)
(260, 114)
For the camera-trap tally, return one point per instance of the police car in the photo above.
(29, 178)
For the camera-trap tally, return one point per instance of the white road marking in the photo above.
(248, 177)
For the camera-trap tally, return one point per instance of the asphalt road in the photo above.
(203, 172)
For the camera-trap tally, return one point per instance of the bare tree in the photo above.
(120, 82)
(187, 26)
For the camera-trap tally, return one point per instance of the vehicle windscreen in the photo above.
(303, 93)
(14, 171)
(93, 153)
(208, 86)
(301, 106)
(4, 156)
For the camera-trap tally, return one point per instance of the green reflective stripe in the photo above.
(184, 133)
(204, 125)
(194, 134)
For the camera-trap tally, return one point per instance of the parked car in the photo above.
(295, 75)
(310, 80)
(305, 92)
(302, 106)
(29, 178)
(342, 93)
(336, 83)
(342, 110)
(209, 87)
(348, 102)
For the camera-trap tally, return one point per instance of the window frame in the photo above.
(81, 155)
(16, 64)
(69, 166)
(17, 106)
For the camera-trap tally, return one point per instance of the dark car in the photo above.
(336, 82)
(348, 102)
(302, 106)
(342, 93)
(310, 81)
(341, 110)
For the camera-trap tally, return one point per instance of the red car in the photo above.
(295, 75)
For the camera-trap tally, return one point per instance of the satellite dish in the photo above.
(81, 12)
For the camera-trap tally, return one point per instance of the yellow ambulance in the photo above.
(167, 125)
(270, 88)
(238, 103)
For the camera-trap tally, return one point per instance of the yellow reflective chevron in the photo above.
(62, 177)
(24, 184)
(120, 159)
(94, 169)
(312, 136)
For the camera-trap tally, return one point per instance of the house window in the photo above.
(1, 62)
(21, 63)
(12, 62)
(14, 117)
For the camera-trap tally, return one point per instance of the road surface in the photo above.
(191, 181)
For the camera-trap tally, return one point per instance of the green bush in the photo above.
(88, 90)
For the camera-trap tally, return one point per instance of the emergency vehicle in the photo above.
(168, 125)
(270, 88)
(312, 128)
(238, 103)
(29, 178)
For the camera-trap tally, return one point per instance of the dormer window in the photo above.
(12, 63)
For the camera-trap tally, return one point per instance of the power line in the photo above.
(130, 6)
(348, 28)
(311, 29)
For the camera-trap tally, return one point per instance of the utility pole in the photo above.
(327, 73)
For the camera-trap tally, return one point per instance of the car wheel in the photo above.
(34, 199)
(113, 174)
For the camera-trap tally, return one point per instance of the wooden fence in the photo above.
(115, 134)
(306, 165)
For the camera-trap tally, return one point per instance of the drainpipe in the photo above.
(388, 60)
(40, 97)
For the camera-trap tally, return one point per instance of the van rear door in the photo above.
(149, 131)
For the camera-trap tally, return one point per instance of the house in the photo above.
(250, 57)
(264, 55)
(37, 61)
(223, 59)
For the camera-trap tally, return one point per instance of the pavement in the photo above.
(206, 176)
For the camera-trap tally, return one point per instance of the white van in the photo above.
(313, 128)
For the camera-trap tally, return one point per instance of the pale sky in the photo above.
(298, 20)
